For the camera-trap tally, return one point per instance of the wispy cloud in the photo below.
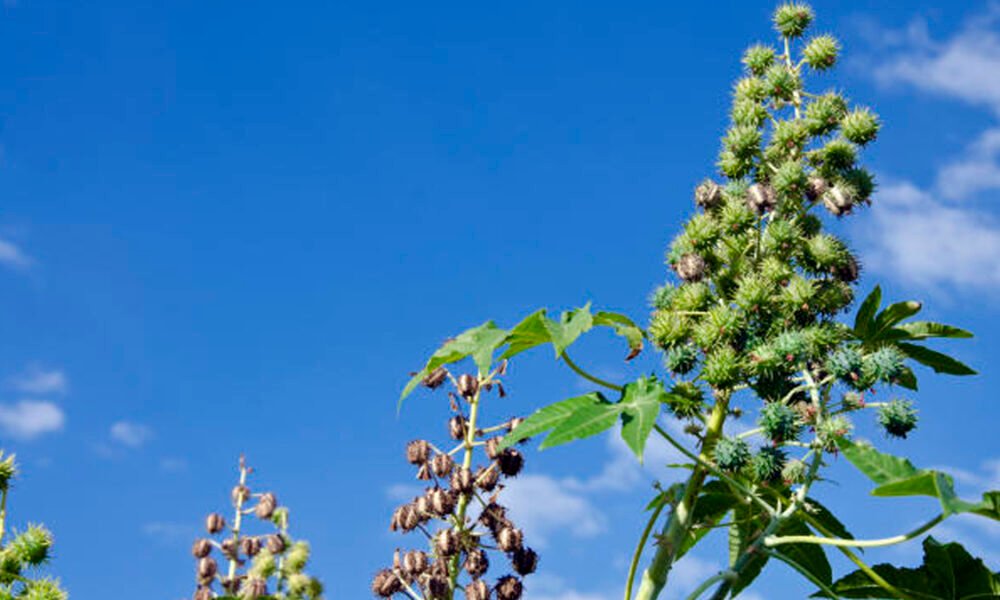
(131, 434)
(38, 380)
(543, 505)
(13, 257)
(28, 419)
(938, 237)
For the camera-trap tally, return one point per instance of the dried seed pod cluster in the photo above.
(459, 514)
(24, 552)
(267, 564)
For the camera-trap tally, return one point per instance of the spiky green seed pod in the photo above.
(686, 400)
(767, 463)
(823, 336)
(743, 142)
(668, 328)
(731, 454)
(897, 417)
(792, 19)
(773, 270)
(722, 323)
(708, 194)
(702, 231)
(750, 88)
(782, 82)
(263, 565)
(861, 181)
(8, 471)
(662, 296)
(721, 368)
(691, 296)
(758, 58)
(833, 296)
(821, 52)
(789, 180)
(794, 471)
(297, 557)
(733, 166)
(779, 422)
(838, 154)
(825, 252)
(736, 216)
(886, 364)
(853, 401)
(753, 292)
(302, 585)
(861, 126)
(748, 113)
(824, 113)
(789, 137)
(798, 294)
(42, 589)
(830, 430)
(32, 546)
(791, 346)
(845, 364)
(681, 359)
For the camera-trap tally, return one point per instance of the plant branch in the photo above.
(576, 368)
(772, 541)
(634, 565)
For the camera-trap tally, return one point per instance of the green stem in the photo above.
(772, 541)
(854, 558)
(463, 500)
(701, 589)
(588, 376)
(238, 519)
(634, 565)
(3, 513)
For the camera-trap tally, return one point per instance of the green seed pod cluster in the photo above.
(731, 454)
(766, 465)
(257, 560)
(897, 418)
(779, 422)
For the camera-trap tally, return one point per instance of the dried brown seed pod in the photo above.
(203, 593)
(240, 494)
(276, 544)
(524, 561)
(424, 472)
(760, 198)
(201, 548)
(418, 451)
(422, 506)
(250, 546)
(457, 427)
(415, 562)
(446, 543)
(487, 478)
(468, 385)
(508, 588)
(385, 584)
(492, 447)
(214, 523)
(436, 587)
(708, 194)
(815, 187)
(265, 505)
(477, 563)
(477, 590)
(690, 267)
(207, 568)
(440, 568)
(442, 464)
(493, 515)
(510, 462)
(461, 481)
(838, 200)
(230, 549)
(435, 378)
(255, 588)
(442, 502)
(509, 539)
(513, 423)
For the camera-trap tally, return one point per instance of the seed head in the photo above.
(276, 544)
(815, 187)
(214, 523)
(417, 452)
(492, 447)
(240, 494)
(477, 563)
(203, 593)
(415, 562)
(510, 462)
(461, 481)
(508, 588)
(898, 418)
(468, 385)
(441, 502)
(437, 587)
(230, 549)
(690, 267)
(250, 546)
(839, 200)
(442, 464)
(792, 19)
(435, 378)
(457, 427)
(779, 422)
(386, 584)
(477, 590)
(731, 454)
(524, 561)
(708, 194)
(446, 543)
(254, 588)
(201, 548)
(509, 539)
(767, 464)
(265, 506)
(207, 568)
(487, 478)
(760, 198)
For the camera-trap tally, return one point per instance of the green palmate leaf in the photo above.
(549, 417)
(479, 342)
(897, 476)
(624, 327)
(810, 557)
(949, 572)
(919, 330)
(907, 379)
(989, 507)
(640, 404)
(822, 515)
(894, 313)
(715, 501)
(530, 332)
(941, 363)
(583, 423)
(865, 319)
(572, 324)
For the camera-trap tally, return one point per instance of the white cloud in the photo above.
(131, 434)
(977, 171)
(173, 465)
(543, 505)
(29, 419)
(545, 586)
(930, 244)
(169, 532)
(12, 256)
(37, 380)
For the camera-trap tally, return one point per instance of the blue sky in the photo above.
(236, 228)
